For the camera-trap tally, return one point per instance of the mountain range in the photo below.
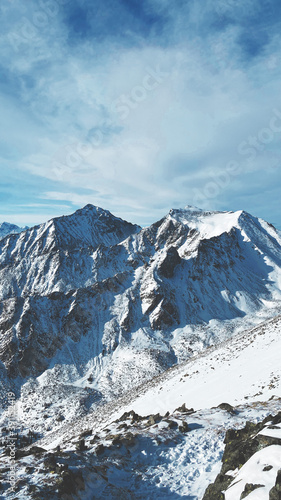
(93, 307)
(6, 228)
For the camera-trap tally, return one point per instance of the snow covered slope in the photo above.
(133, 449)
(259, 474)
(246, 367)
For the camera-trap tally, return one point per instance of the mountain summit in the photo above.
(58, 255)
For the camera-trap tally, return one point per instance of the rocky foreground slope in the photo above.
(144, 445)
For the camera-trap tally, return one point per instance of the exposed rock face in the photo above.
(33, 329)
(170, 262)
(275, 492)
(249, 487)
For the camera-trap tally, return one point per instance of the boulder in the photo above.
(227, 407)
(184, 427)
(183, 409)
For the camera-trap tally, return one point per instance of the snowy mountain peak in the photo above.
(193, 208)
(92, 210)
(211, 223)
(41, 255)
(6, 228)
(92, 226)
(208, 223)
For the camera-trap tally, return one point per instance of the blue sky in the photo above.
(139, 107)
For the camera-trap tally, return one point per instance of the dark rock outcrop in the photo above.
(240, 446)
(275, 492)
(170, 262)
(249, 487)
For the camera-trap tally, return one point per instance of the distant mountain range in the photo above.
(6, 229)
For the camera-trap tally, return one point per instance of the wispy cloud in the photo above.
(138, 107)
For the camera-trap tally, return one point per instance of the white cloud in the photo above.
(153, 141)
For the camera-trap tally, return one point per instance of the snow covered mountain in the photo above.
(92, 306)
(60, 254)
(92, 291)
(7, 228)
